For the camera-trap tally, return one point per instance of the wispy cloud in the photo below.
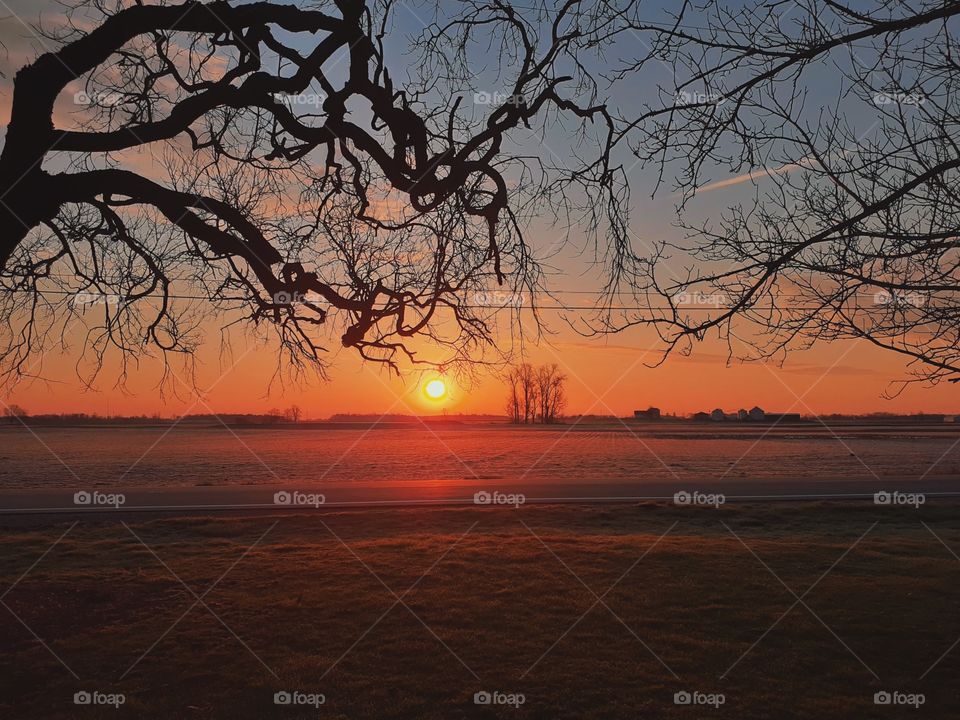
(752, 176)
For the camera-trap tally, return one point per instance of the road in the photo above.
(274, 498)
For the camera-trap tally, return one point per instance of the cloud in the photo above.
(752, 176)
(805, 162)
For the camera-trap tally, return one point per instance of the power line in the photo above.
(493, 290)
(538, 308)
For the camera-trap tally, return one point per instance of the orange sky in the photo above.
(605, 376)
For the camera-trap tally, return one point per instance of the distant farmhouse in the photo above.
(755, 414)
(758, 415)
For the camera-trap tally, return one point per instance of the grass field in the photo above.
(587, 611)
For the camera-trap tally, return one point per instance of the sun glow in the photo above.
(435, 389)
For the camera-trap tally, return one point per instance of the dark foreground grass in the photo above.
(588, 611)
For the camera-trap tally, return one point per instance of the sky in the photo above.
(609, 375)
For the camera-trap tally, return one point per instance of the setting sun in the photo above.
(435, 389)
(306, 275)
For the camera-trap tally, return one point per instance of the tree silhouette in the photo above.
(312, 172)
(846, 119)
(15, 413)
(263, 160)
(550, 392)
(535, 394)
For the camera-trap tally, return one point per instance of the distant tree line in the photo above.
(535, 395)
(17, 415)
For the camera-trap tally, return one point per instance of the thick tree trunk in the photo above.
(27, 195)
(26, 200)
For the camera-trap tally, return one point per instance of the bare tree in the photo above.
(528, 392)
(535, 394)
(846, 120)
(522, 393)
(514, 394)
(266, 161)
(288, 168)
(551, 395)
(15, 413)
(275, 415)
(293, 413)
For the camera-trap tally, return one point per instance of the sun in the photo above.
(435, 389)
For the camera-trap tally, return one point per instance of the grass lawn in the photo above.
(587, 611)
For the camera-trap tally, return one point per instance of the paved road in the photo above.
(281, 498)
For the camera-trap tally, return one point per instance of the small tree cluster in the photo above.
(291, 414)
(535, 394)
(14, 413)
